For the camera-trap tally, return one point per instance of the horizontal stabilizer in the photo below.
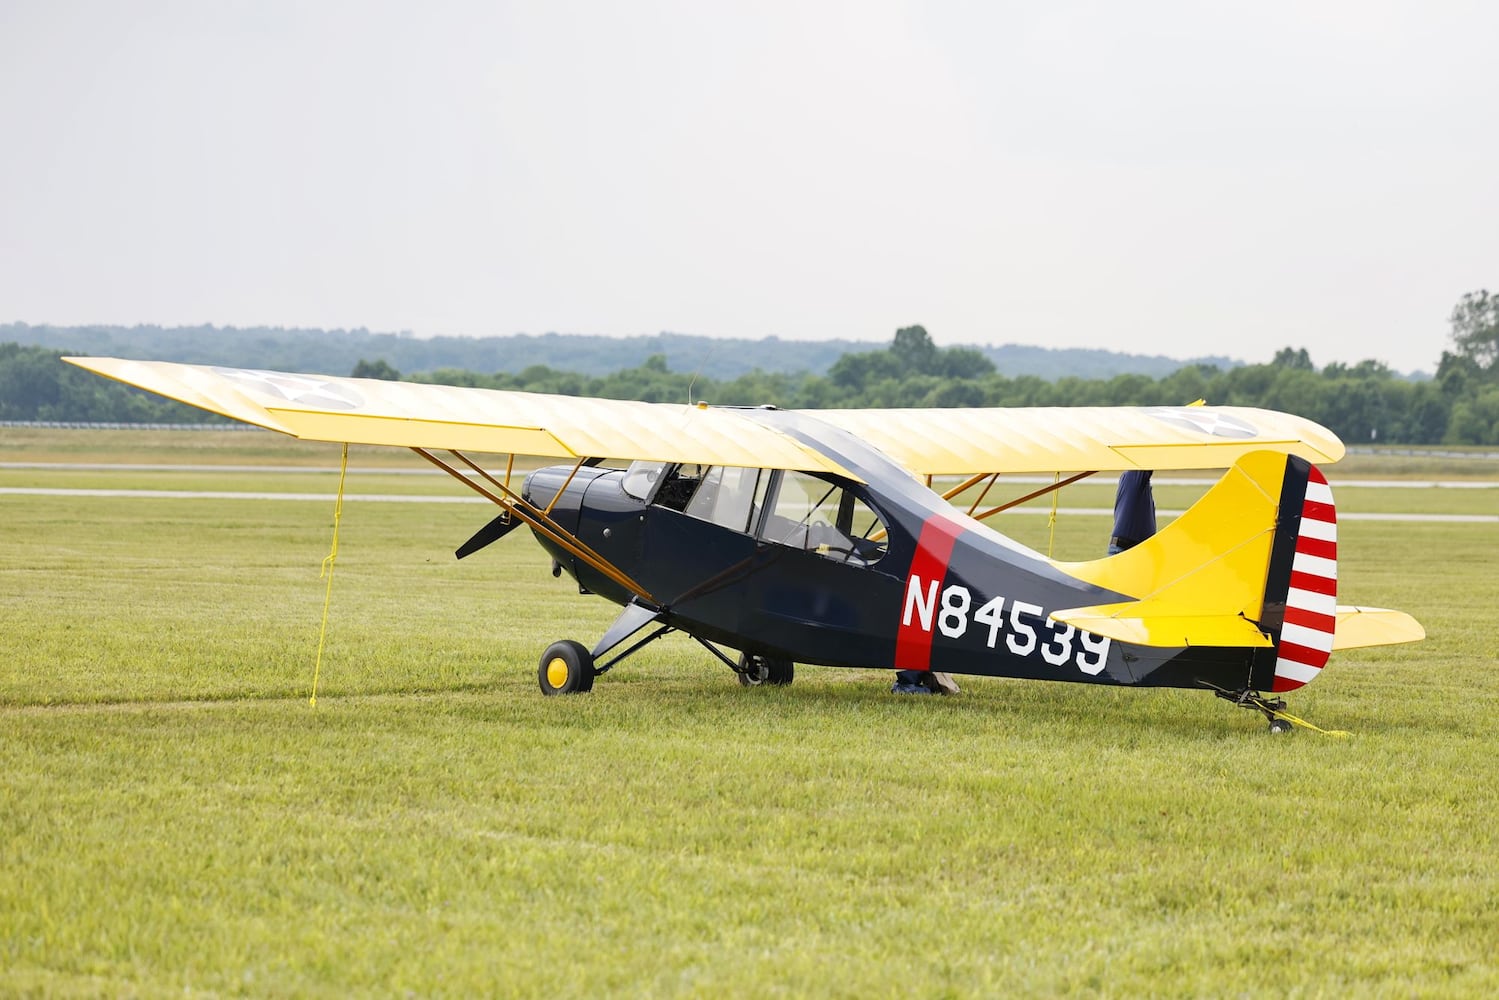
(1149, 623)
(1374, 627)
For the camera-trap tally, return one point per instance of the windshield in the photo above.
(641, 478)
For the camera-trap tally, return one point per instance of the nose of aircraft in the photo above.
(559, 488)
(529, 485)
(540, 487)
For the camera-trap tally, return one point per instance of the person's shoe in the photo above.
(899, 688)
(941, 683)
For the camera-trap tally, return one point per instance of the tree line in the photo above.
(295, 350)
(1361, 403)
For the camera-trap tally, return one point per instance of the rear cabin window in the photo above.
(825, 518)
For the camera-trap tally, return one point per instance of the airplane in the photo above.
(780, 537)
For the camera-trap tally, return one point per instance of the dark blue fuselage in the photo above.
(946, 593)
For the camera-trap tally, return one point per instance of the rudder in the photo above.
(1301, 586)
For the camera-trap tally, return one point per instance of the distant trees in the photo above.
(36, 385)
(912, 356)
(1287, 358)
(1361, 403)
(1468, 375)
(1475, 330)
(334, 352)
(379, 368)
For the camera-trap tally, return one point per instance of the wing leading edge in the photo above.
(420, 415)
(963, 441)
(970, 441)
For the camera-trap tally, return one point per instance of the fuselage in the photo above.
(879, 573)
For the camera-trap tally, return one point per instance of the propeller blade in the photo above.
(490, 533)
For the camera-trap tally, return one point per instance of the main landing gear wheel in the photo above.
(755, 670)
(565, 668)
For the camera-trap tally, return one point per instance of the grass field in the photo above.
(176, 818)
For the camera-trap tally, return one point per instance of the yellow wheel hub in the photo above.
(557, 672)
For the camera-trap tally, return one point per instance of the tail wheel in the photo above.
(755, 670)
(565, 668)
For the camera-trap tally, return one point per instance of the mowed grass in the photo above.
(175, 817)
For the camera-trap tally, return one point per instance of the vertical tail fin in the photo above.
(1301, 588)
(1252, 564)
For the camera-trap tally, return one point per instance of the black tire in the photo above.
(756, 670)
(1278, 726)
(565, 668)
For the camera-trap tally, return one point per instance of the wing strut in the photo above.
(972, 481)
(539, 520)
(1033, 495)
(965, 484)
(993, 478)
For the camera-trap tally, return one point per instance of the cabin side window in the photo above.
(823, 517)
(664, 483)
(726, 496)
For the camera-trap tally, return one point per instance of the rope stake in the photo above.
(327, 573)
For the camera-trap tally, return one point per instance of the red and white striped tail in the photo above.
(1312, 601)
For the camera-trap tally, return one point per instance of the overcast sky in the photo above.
(1179, 178)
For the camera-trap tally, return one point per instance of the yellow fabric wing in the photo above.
(418, 415)
(961, 441)
(1085, 438)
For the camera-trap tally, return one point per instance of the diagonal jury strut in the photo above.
(1032, 495)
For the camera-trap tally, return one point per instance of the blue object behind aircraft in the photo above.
(1134, 511)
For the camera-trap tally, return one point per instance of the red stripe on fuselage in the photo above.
(913, 644)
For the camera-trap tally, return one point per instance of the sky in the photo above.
(1178, 177)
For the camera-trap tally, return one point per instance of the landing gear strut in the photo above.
(569, 667)
(1271, 707)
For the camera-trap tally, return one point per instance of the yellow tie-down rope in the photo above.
(1280, 713)
(1056, 494)
(1335, 733)
(1274, 710)
(327, 572)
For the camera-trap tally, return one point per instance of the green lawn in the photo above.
(176, 818)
